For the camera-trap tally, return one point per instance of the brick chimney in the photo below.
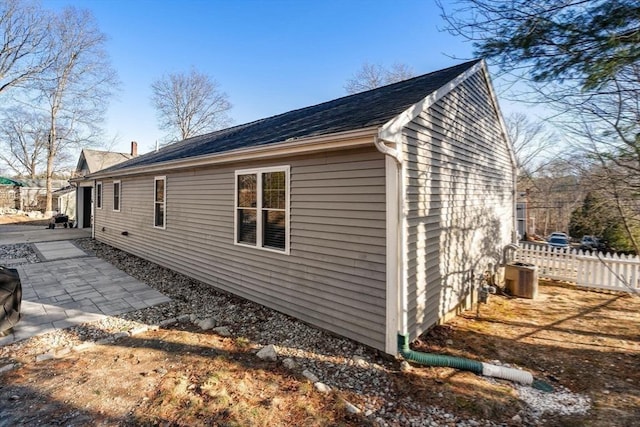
(134, 149)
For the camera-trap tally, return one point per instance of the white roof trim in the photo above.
(503, 126)
(339, 140)
(392, 130)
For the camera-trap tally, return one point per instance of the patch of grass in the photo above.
(242, 343)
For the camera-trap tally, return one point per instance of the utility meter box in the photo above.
(521, 279)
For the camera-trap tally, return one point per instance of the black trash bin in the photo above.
(10, 298)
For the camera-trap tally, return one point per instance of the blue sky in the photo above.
(268, 56)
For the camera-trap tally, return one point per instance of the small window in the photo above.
(98, 195)
(116, 196)
(160, 202)
(262, 213)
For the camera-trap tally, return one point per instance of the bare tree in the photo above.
(24, 43)
(555, 192)
(533, 143)
(74, 90)
(189, 104)
(23, 139)
(606, 126)
(371, 76)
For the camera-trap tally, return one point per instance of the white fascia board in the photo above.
(392, 130)
(503, 126)
(340, 140)
(82, 182)
(80, 159)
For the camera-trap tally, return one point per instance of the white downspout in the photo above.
(93, 210)
(514, 237)
(396, 290)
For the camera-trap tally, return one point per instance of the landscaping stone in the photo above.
(310, 376)
(223, 331)
(7, 368)
(45, 356)
(289, 363)
(207, 324)
(321, 387)
(351, 408)
(268, 353)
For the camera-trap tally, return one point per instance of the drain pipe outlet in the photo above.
(481, 368)
(515, 375)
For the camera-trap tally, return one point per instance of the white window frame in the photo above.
(164, 202)
(99, 195)
(113, 198)
(259, 226)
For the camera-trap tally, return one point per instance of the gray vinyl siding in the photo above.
(458, 184)
(334, 277)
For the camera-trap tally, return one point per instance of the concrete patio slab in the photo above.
(58, 250)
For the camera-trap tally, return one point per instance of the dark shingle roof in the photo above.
(371, 108)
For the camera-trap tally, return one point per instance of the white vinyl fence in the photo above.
(602, 271)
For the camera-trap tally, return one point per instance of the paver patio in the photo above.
(65, 292)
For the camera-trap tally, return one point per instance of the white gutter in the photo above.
(93, 210)
(339, 140)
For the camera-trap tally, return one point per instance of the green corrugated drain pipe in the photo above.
(481, 368)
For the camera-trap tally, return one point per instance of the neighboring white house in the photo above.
(64, 201)
(370, 216)
(33, 193)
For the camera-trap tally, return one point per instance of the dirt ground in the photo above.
(587, 342)
(22, 219)
(164, 377)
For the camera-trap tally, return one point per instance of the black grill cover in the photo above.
(10, 298)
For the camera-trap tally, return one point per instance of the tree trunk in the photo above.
(33, 169)
(51, 154)
(49, 183)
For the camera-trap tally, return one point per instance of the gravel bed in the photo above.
(17, 254)
(337, 362)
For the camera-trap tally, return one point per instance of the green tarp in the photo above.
(7, 181)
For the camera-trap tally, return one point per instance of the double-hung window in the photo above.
(116, 196)
(262, 208)
(160, 201)
(98, 195)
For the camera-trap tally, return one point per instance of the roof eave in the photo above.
(338, 140)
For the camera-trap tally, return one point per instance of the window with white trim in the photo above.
(160, 201)
(116, 195)
(98, 195)
(262, 208)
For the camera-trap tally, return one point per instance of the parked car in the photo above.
(589, 243)
(558, 234)
(595, 244)
(558, 242)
